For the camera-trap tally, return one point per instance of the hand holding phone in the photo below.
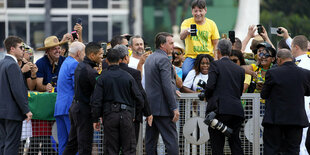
(74, 35)
(148, 49)
(104, 47)
(231, 35)
(275, 30)
(79, 21)
(193, 30)
(259, 29)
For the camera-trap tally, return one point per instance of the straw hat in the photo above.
(179, 46)
(50, 42)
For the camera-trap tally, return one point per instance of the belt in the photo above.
(79, 102)
(120, 106)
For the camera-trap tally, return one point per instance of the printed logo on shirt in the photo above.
(201, 41)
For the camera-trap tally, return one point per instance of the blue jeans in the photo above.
(187, 66)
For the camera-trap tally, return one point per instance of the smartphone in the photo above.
(74, 35)
(193, 30)
(275, 30)
(79, 21)
(148, 49)
(259, 29)
(31, 58)
(104, 47)
(231, 35)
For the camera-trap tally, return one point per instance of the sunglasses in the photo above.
(21, 47)
(234, 60)
(177, 53)
(266, 55)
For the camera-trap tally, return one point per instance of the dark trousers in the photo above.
(119, 133)
(10, 133)
(81, 131)
(137, 130)
(168, 131)
(217, 138)
(282, 138)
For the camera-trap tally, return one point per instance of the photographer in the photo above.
(223, 91)
(200, 72)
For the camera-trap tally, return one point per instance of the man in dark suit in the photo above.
(136, 74)
(223, 91)
(160, 91)
(285, 115)
(13, 93)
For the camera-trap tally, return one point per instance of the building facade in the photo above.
(33, 20)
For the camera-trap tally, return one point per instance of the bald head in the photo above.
(283, 56)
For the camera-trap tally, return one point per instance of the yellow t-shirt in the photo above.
(202, 43)
(308, 53)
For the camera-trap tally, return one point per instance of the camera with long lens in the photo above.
(203, 85)
(216, 124)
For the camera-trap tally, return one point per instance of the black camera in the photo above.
(216, 124)
(203, 85)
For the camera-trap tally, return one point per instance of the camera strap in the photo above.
(192, 87)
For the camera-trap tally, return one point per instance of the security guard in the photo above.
(114, 98)
(81, 131)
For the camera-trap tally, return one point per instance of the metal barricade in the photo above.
(192, 132)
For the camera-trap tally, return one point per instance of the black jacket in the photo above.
(284, 91)
(136, 74)
(85, 80)
(115, 86)
(224, 88)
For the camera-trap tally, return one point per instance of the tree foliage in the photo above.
(291, 14)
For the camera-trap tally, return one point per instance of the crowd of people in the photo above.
(117, 84)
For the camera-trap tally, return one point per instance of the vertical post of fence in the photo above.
(256, 123)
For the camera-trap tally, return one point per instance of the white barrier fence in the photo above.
(193, 133)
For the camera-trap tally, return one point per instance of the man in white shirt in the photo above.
(138, 56)
(299, 50)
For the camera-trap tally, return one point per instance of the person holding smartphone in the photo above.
(205, 39)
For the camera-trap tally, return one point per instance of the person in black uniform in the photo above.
(223, 91)
(285, 115)
(81, 132)
(115, 97)
(136, 74)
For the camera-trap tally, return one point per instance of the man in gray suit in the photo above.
(160, 91)
(13, 94)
